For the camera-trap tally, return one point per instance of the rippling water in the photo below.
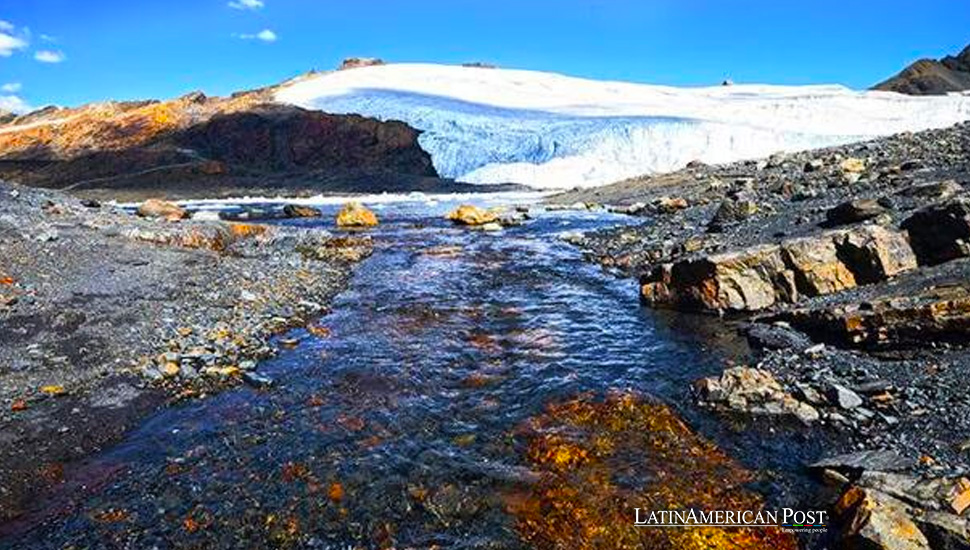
(400, 427)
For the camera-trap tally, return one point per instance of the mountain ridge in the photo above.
(197, 146)
(932, 76)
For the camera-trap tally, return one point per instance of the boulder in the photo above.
(752, 391)
(854, 211)
(468, 214)
(354, 214)
(158, 208)
(944, 531)
(745, 280)
(950, 495)
(771, 336)
(843, 397)
(816, 265)
(732, 211)
(852, 165)
(940, 233)
(874, 253)
(206, 216)
(875, 521)
(300, 211)
(670, 204)
(936, 190)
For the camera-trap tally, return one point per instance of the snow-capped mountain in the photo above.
(485, 125)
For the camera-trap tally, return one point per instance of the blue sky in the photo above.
(73, 51)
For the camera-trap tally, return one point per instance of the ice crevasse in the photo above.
(484, 125)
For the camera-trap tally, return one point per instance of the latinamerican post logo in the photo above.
(787, 519)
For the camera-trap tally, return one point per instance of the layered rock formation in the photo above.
(931, 76)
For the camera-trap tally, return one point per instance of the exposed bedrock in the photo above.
(758, 277)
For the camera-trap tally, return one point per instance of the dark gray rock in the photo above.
(940, 233)
(855, 463)
(854, 211)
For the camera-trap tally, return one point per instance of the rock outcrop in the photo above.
(206, 144)
(930, 76)
(358, 62)
(758, 277)
(912, 320)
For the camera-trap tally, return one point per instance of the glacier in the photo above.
(550, 131)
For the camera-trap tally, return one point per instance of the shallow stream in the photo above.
(404, 426)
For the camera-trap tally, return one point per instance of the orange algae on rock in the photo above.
(600, 460)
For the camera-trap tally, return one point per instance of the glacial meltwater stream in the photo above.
(469, 380)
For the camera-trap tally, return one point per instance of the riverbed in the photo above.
(406, 416)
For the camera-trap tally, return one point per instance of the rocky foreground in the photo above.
(104, 316)
(849, 271)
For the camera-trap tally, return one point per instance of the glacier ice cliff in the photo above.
(485, 125)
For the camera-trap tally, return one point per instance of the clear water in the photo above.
(446, 341)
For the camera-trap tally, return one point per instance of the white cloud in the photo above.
(49, 56)
(264, 35)
(10, 43)
(13, 104)
(246, 4)
(6, 26)
(48, 38)
(11, 87)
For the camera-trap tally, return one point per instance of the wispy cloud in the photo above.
(264, 35)
(13, 104)
(11, 87)
(246, 4)
(49, 56)
(9, 41)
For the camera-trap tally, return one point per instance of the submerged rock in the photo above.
(300, 211)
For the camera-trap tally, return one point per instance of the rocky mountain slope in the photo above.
(198, 146)
(931, 76)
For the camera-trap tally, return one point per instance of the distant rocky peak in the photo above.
(358, 62)
(932, 77)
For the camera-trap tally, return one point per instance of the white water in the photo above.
(554, 131)
(376, 201)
